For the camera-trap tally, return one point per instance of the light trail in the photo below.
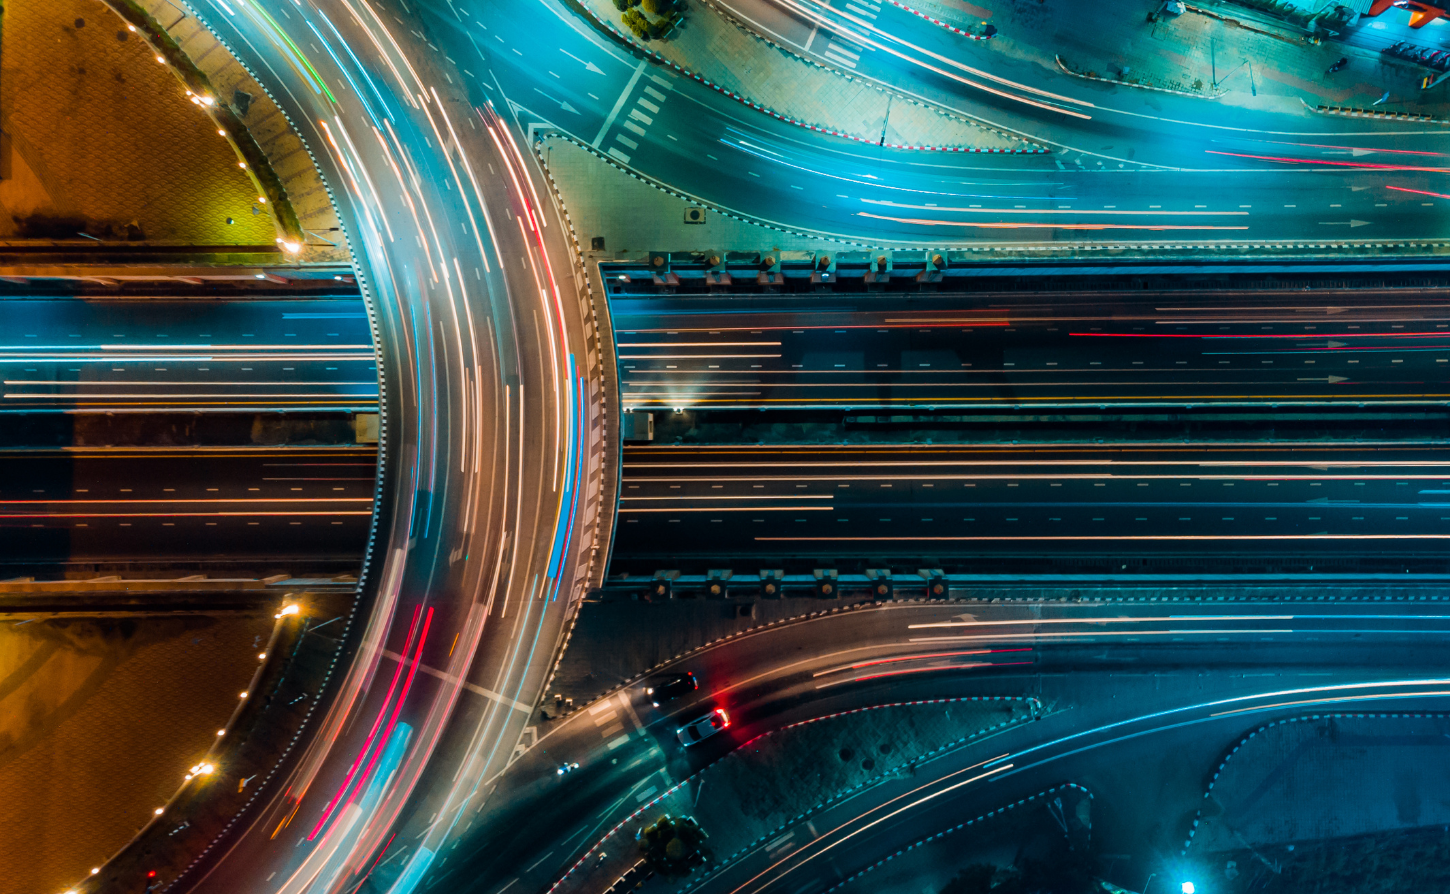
(1105, 538)
(1043, 225)
(1072, 211)
(923, 657)
(1361, 165)
(821, 20)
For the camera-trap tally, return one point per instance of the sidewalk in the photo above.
(102, 140)
(98, 722)
(738, 63)
(289, 159)
(1223, 50)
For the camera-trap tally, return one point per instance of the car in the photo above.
(667, 689)
(703, 728)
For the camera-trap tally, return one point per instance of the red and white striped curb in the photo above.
(786, 118)
(921, 15)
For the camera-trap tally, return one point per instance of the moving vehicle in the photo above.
(667, 689)
(703, 728)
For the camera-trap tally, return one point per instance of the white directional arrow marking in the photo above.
(589, 65)
(562, 104)
(1344, 223)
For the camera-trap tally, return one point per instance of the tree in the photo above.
(621, 5)
(657, 7)
(637, 24)
(673, 847)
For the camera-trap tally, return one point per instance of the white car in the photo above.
(703, 728)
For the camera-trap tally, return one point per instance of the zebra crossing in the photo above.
(641, 115)
(842, 51)
(610, 723)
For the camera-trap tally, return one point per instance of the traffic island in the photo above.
(1039, 843)
(718, 52)
(779, 779)
(1323, 777)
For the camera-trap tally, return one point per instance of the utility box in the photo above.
(637, 427)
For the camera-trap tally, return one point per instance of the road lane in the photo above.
(487, 495)
(778, 675)
(966, 509)
(874, 351)
(308, 508)
(138, 355)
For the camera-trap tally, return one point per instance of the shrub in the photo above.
(637, 24)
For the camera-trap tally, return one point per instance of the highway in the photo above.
(1070, 657)
(486, 503)
(486, 500)
(299, 509)
(859, 351)
(197, 355)
(1204, 507)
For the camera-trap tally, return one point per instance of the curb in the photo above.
(1031, 700)
(921, 15)
(1349, 112)
(1193, 830)
(1063, 65)
(251, 158)
(957, 828)
(660, 60)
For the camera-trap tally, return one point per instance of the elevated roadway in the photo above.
(880, 351)
(486, 499)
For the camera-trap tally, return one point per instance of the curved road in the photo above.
(488, 480)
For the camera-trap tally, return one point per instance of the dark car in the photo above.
(667, 689)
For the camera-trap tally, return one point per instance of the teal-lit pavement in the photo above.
(491, 390)
(1127, 166)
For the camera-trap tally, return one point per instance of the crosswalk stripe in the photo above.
(619, 155)
(625, 141)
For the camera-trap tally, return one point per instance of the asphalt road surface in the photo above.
(1104, 672)
(1132, 167)
(1049, 507)
(863, 351)
(487, 493)
(195, 355)
(309, 507)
